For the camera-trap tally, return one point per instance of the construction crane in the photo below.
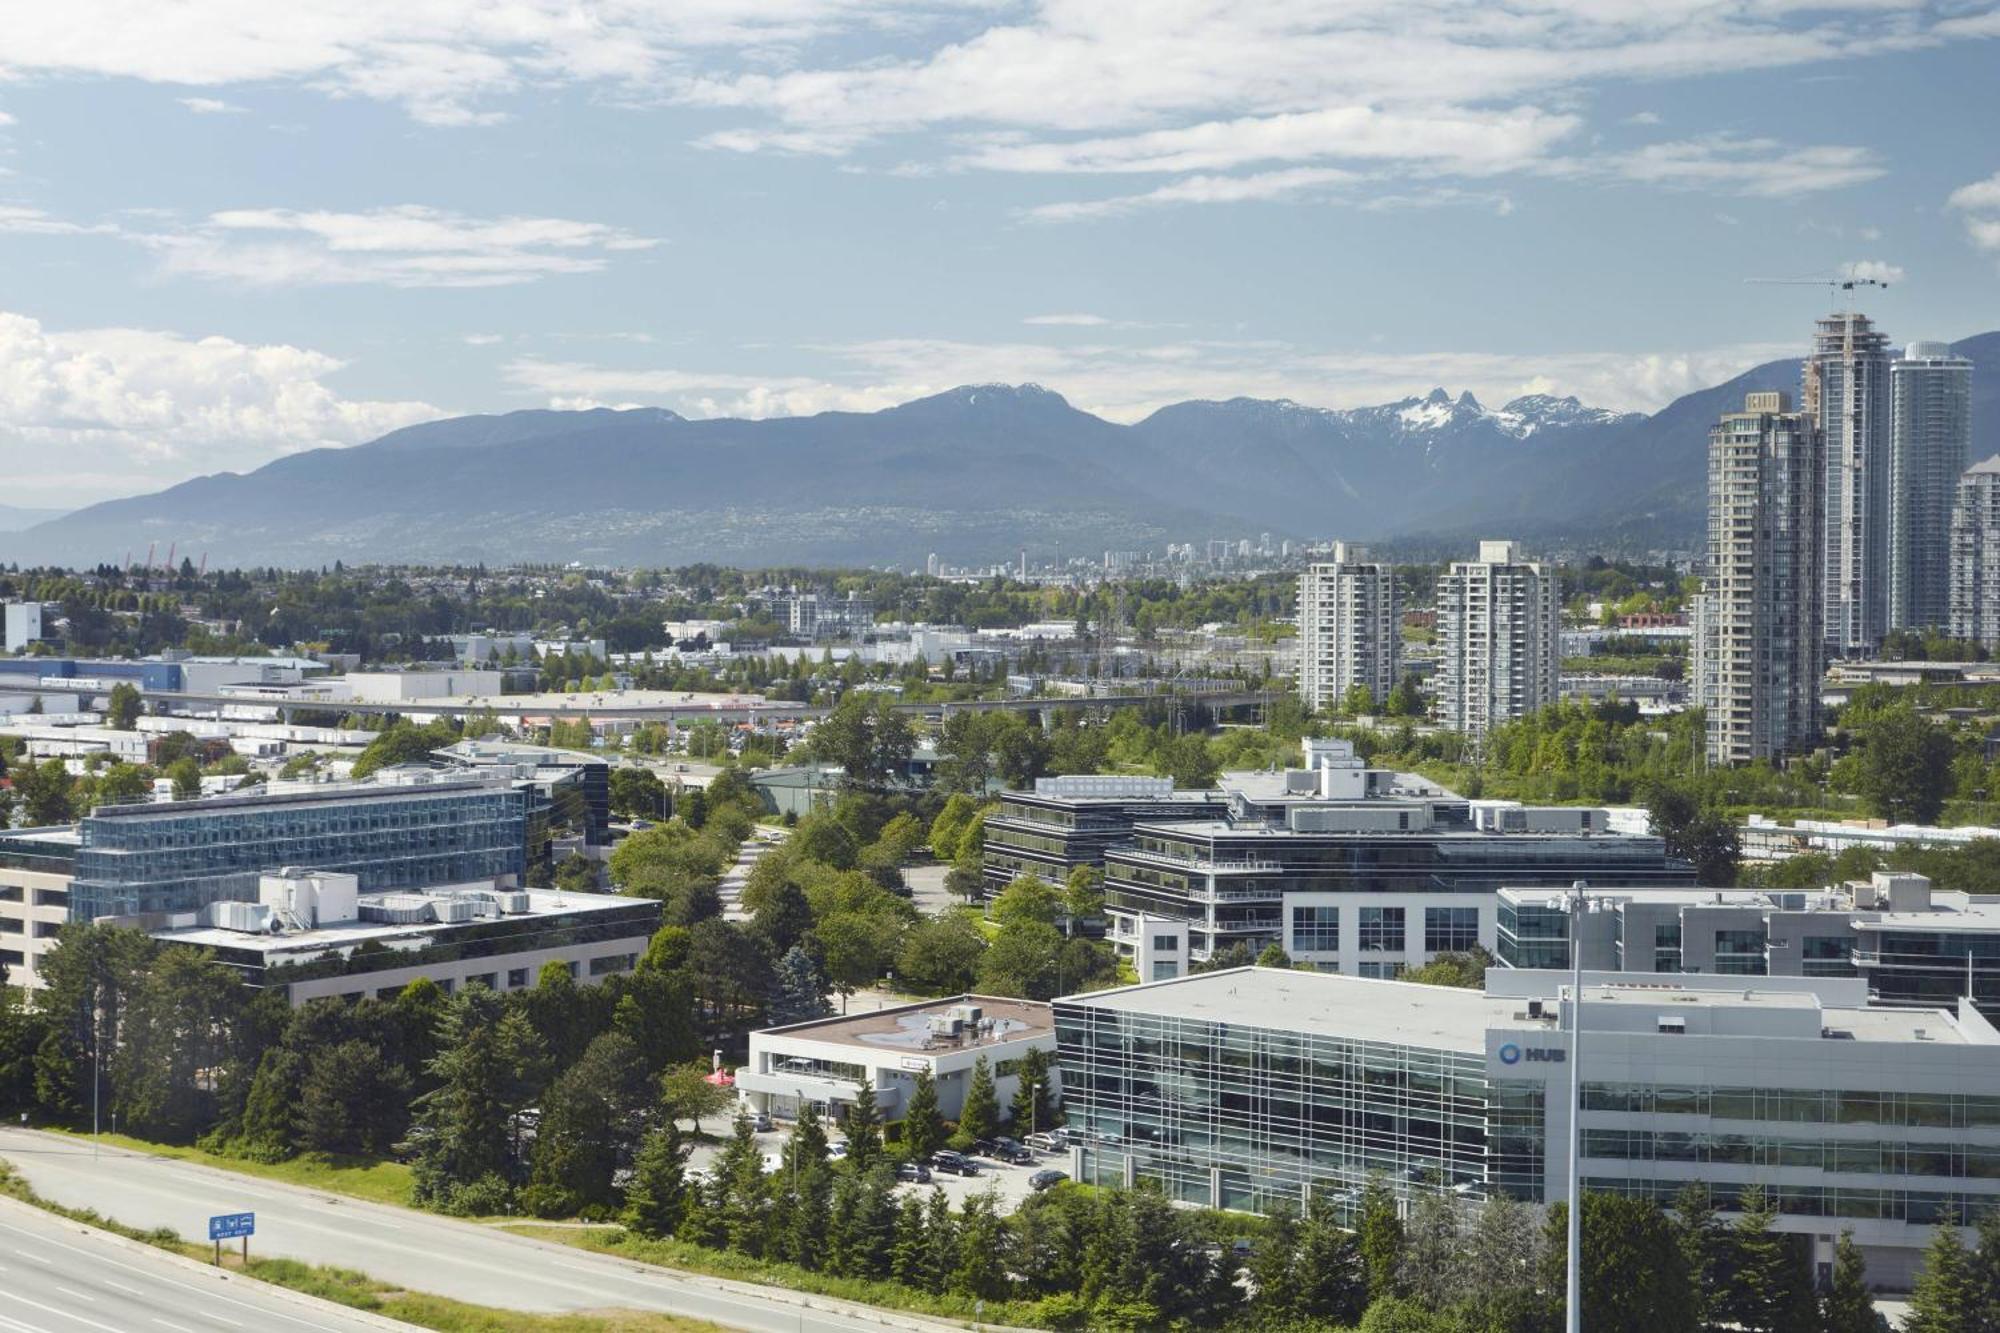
(1834, 286)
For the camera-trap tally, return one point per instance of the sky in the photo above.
(232, 229)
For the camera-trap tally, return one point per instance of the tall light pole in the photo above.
(1573, 1303)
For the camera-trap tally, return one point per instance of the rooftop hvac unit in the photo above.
(250, 918)
(513, 901)
(449, 910)
(942, 1025)
(966, 1013)
(397, 909)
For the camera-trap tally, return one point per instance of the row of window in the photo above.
(1316, 929)
(1848, 1157)
(1925, 1110)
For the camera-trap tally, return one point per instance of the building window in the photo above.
(1381, 971)
(1740, 952)
(1166, 944)
(609, 963)
(51, 897)
(1165, 970)
(517, 977)
(1451, 929)
(1316, 929)
(1382, 930)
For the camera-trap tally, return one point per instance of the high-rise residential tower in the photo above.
(1846, 394)
(1975, 555)
(1760, 653)
(1349, 632)
(1499, 625)
(1930, 443)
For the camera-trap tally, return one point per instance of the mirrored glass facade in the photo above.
(181, 857)
(1243, 1117)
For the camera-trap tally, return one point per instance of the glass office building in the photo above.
(1248, 1087)
(1242, 1089)
(159, 859)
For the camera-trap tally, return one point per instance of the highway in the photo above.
(58, 1276)
(608, 707)
(419, 1251)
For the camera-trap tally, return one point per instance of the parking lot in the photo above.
(1009, 1183)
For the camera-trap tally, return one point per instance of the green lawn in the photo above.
(361, 1178)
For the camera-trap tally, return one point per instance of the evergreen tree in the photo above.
(1380, 1233)
(798, 992)
(910, 1249)
(981, 1271)
(940, 1242)
(843, 1239)
(1275, 1269)
(1983, 1267)
(875, 1222)
(923, 1126)
(980, 1117)
(743, 1194)
(808, 1201)
(1031, 1109)
(657, 1199)
(864, 1130)
(1847, 1307)
(1770, 1286)
(1333, 1286)
(1699, 1237)
(1944, 1296)
(1430, 1249)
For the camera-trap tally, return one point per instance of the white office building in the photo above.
(1930, 443)
(1499, 627)
(1975, 555)
(1758, 623)
(823, 1061)
(22, 625)
(1349, 632)
(1847, 392)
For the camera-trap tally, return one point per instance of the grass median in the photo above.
(357, 1177)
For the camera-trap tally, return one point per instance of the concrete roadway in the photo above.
(415, 1250)
(58, 1276)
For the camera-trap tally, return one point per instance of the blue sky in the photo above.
(233, 229)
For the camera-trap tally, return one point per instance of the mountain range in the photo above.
(971, 474)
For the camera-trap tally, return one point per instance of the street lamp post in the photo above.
(1573, 1304)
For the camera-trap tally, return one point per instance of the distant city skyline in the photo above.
(233, 232)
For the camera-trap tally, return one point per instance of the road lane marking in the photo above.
(70, 1315)
(120, 1286)
(79, 1295)
(178, 1328)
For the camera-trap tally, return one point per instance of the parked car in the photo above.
(958, 1164)
(761, 1122)
(1055, 1140)
(915, 1173)
(836, 1151)
(1004, 1149)
(1046, 1178)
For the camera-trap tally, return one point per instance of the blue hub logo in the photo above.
(1510, 1054)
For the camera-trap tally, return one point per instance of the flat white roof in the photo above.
(345, 934)
(1286, 1000)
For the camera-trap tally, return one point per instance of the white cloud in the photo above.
(1873, 270)
(1759, 168)
(406, 246)
(1980, 203)
(444, 61)
(1471, 142)
(1069, 321)
(1645, 118)
(19, 221)
(5, 119)
(1199, 190)
(210, 106)
(128, 410)
(484, 339)
(1125, 382)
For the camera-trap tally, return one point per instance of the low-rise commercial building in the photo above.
(1067, 822)
(1253, 1087)
(36, 866)
(316, 935)
(825, 1060)
(1358, 869)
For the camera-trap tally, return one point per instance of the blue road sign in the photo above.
(228, 1226)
